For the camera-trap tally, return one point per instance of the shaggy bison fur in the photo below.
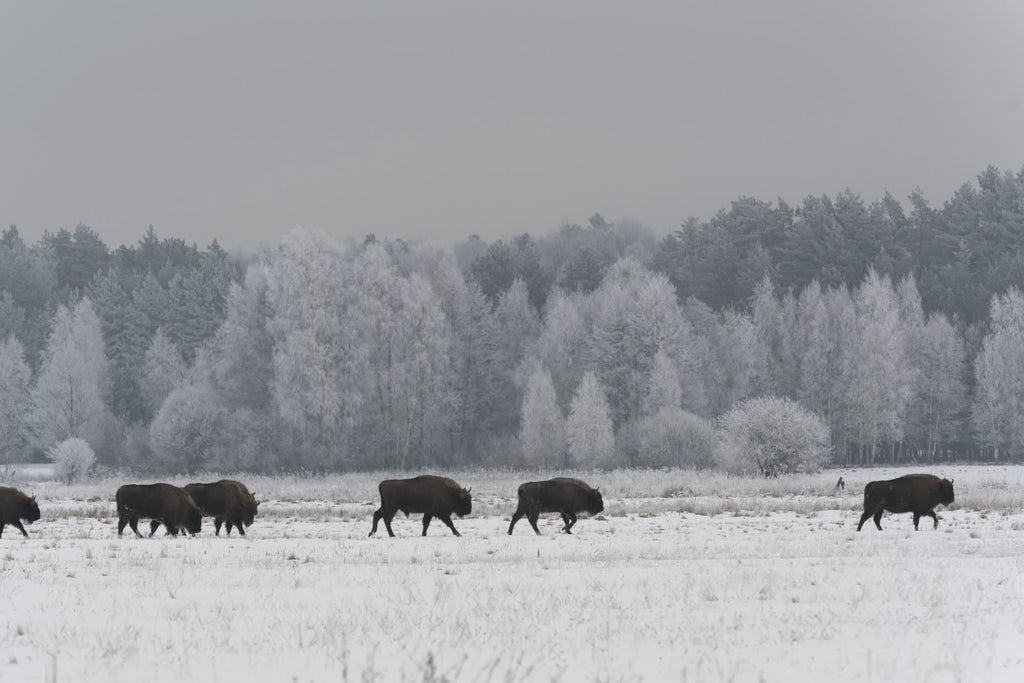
(916, 493)
(163, 503)
(227, 501)
(562, 495)
(433, 496)
(16, 507)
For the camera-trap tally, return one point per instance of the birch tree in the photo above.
(15, 402)
(999, 369)
(68, 396)
(543, 429)
(589, 434)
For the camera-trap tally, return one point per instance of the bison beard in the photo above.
(433, 496)
(163, 503)
(15, 506)
(915, 493)
(562, 495)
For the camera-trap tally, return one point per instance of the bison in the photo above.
(15, 506)
(564, 495)
(227, 501)
(916, 493)
(163, 503)
(433, 496)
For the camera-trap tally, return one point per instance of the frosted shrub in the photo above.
(771, 436)
(73, 458)
(673, 437)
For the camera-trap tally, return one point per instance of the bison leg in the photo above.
(1, 529)
(447, 519)
(133, 522)
(17, 525)
(935, 519)
(238, 525)
(153, 525)
(171, 528)
(377, 514)
(516, 516)
(217, 521)
(426, 522)
(917, 518)
(571, 523)
(865, 517)
(533, 516)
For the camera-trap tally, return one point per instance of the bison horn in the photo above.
(469, 490)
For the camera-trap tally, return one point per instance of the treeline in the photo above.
(596, 345)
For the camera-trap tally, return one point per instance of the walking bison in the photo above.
(563, 495)
(15, 507)
(433, 496)
(227, 501)
(163, 503)
(916, 493)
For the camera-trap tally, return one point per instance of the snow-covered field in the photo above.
(685, 577)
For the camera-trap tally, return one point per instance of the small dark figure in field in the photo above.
(163, 503)
(840, 485)
(227, 501)
(15, 506)
(562, 495)
(916, 493)
(433, 496)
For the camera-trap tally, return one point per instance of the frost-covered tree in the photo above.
(881, 373)
(163, 371)
(672, 437)
(73, 457)
(315, 349)
(772, 436)
(635, 314)
(516, 327)
(999, 368)
(663, 389)
(939, 393)
(187, 434)
(15, 402)
(68, 396)
(561, 346)
(589, 434)
(543, 430)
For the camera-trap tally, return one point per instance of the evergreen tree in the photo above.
(543, 429)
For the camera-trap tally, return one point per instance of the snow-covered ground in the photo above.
(685, 577)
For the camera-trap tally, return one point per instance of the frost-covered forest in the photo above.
(873, 332)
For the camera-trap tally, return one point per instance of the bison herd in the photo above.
(231, 504)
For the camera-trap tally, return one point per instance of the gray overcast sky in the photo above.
(240, 120)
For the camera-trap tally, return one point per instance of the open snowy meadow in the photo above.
(685, 577)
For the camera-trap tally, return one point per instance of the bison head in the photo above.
(946, 491)
(595, 503)
(30, 510)
(463, 503)
(249, 509)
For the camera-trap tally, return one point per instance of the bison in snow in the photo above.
(227, 501)
(916, 493)
(562, 495)
(163, 503)
(433, 496)
(15, 506)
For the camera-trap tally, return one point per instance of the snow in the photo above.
(647, 591)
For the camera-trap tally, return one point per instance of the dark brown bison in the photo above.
(163, 503)
(227, 501)
(916, 493)
(15, 506)
(433, 496)
(563, 495)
